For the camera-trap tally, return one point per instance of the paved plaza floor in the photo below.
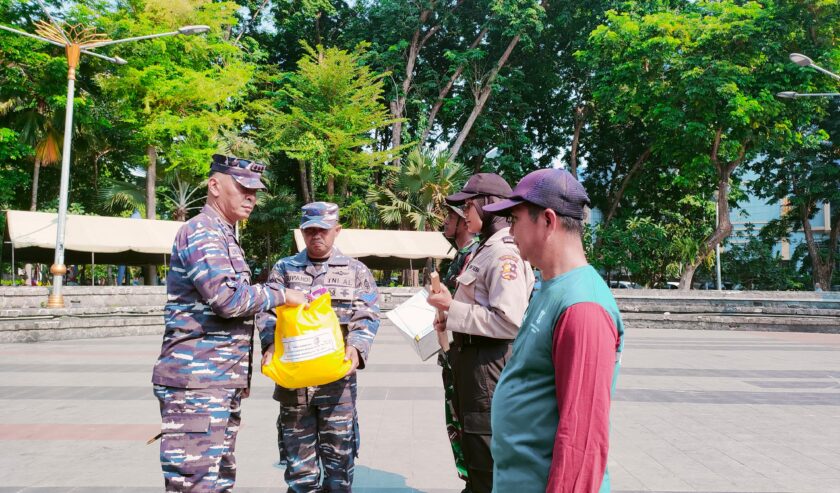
(701, 411)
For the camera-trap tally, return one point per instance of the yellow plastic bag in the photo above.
(308, 346)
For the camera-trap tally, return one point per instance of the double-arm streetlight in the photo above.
(805, 61)
(76, 41)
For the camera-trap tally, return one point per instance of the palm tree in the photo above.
(122, 195)
(413, 195)
(180, 195)
(36, 127)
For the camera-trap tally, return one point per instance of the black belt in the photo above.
(461, 339)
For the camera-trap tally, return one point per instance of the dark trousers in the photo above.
(476, 369)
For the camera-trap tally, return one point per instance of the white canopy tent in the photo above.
(388, 249)
(30, 237)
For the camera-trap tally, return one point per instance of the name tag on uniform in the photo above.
(466, 278)
(299, 278)
(340, 277)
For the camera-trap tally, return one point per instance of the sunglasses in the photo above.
(233, 161)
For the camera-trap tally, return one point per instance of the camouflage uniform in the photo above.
(205, 360)
(318, 426)
(457, 265)
(454, 427)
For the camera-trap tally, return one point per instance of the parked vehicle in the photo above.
(667, 285)
(624, 285)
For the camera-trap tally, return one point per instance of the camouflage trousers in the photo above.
(454, 427)
(198, 438)
(319, 440)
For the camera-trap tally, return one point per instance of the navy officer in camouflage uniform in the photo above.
(318, 427)
(204, 367)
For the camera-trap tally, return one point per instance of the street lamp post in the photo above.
(805, 61)
(717, 246)
(77, 41)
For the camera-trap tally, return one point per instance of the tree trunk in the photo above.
(398, 106)
(304, 183)
(151, 181)
(615, 201)
(477, 162)
(318, 28)
(822, 269)
(688, 275)
(310, 183)
(573, 160)
(396, 127)
(150, 271)
(250, 24)
(484, 94)
(96, 158)
(410, 277)
(331, 186)
(625, 182)
(724, 226)
(445, 91)
(36, 173)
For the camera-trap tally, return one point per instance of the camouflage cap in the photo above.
(246, 173)
(319, 215)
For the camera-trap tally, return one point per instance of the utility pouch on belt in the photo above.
(308, 346)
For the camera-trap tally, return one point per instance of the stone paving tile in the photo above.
(715, 347)
(769, 384)
(696, 411)
(146, 368)
(727, 373)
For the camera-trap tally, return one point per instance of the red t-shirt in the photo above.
(583, 352)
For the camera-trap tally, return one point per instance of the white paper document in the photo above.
(415, 318)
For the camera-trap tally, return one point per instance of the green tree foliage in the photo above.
(177, 93)
(752, 263)
(325, 115)
(12, 177)
(32, 88)
(691, 89)
(651, 251)
(659, 106)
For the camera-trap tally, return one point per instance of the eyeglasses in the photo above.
(233, 161)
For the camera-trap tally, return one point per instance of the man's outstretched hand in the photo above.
(295, 297)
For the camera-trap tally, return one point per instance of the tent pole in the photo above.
(92, 269)
(14, 273)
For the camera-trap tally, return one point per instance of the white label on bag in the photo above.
(311, 345)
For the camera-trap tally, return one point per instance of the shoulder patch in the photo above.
(510, 267)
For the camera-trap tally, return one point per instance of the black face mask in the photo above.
(491, 223)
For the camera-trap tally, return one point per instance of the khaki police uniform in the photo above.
(484, 316)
